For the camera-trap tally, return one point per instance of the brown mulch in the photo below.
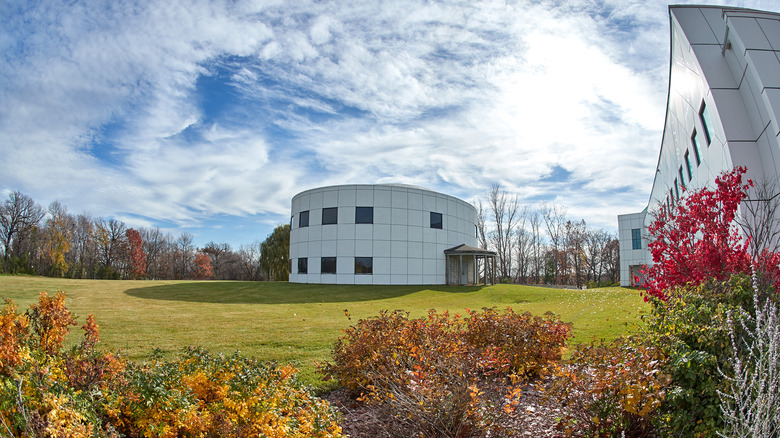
(531, 417)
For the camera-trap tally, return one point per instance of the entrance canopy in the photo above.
(463, 265)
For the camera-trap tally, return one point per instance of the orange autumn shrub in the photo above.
(46, 390)
(443, 375)
(216, 395)
(14, 329)
(613, 389)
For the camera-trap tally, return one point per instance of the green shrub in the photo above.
(443, 375)
(692, 326)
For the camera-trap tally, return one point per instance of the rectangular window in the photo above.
(303, 265)
(671, 198)
(330, 216)
(636, 238)
(303, 219)
(364, 265)
(676, 189)
(291, 221)
(704, 117)
(328, 265)
(682, 180)
(436, 220)
(688, 165)
(364, 215)
(695, 143)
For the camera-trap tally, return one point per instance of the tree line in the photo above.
(538, 245)
(541, 245)
(53, 242)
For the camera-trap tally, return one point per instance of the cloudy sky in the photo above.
(208, 116)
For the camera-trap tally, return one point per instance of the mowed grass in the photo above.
(297, 323)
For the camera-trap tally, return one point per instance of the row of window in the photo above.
(363, 265)
(679, 182)
(363, 215)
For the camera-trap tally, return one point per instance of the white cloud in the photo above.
(104, 111)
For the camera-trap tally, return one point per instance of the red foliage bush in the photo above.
(699, 239)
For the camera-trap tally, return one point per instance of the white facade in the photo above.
(722, 110)
(402, 242)
(632, 236)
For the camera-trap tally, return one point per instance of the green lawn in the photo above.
(293, 322)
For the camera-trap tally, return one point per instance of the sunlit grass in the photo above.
(288, 322)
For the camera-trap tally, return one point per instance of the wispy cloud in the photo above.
(190, 112)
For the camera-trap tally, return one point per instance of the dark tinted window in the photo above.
(328, 265)
(364, 215)
(303, 219)
(364, 265)
(436, 221)
(303, 265)
(636, 238)
(676, 189)
(704, 116)
(695, 143)
(688, 165)
(330, 215)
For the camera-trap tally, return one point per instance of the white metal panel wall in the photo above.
(405, 250)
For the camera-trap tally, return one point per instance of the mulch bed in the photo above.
(531, 418)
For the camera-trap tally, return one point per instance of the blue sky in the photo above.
(208, 116)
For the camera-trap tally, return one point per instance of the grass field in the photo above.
(288, 322)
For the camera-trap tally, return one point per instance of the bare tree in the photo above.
(18, 215)
(112, 246)
(537, 249)
(481, 234)
(250, 260)
(487, 269)
(155, 245)
(523, 246)
(759, 218)
(84, 250)
(184, 256)
(595, 242)
(219, 255)
(555, 222)
(574, 254)
(505, 209)
(231, 266)
(611, 260)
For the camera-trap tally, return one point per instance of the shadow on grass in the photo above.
(238, 292)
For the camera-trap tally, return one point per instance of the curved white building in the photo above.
(382, 234)
(723, 111)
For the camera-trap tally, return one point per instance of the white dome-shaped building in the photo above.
(383, 234)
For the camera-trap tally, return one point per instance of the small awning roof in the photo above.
(464, 249)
